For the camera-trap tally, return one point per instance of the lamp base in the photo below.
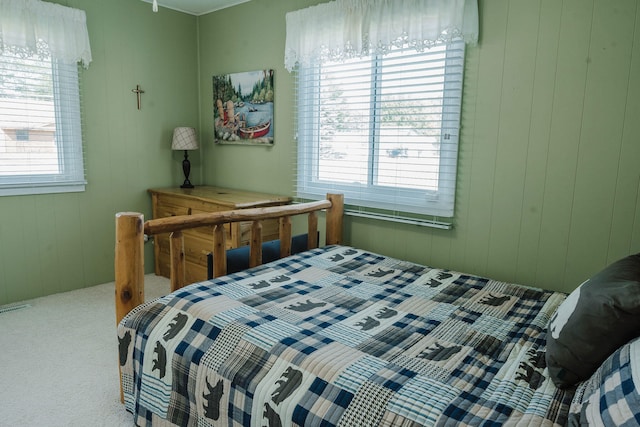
(186, 168)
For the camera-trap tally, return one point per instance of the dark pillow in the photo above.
(610, 397)
(596, 319)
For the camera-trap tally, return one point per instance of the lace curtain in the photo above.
(37, 27)
(344, 29)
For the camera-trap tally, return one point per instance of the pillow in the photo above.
(601, 315)
(610, 397)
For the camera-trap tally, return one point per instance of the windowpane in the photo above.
(383, 129)
(345, 99)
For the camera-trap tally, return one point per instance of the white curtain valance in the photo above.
(344, 29)
(32, 25)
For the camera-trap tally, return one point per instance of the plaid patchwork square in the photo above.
(345, 334)
(282, 314)
(489, 346)
(352, 378)
(268, 334)
(267, 299)
(493, 326)
(240, 404)
(368, 406)
(246, 365)
(422, 400)
(363, 290)
(392, 376)
(224, 318)
(455, 294)
(610, 396)
(301, 344)
(542, 317)
(226, 341)
(422, 367)
(390, 342)
(471, 282)
(348, 300)
(470, 410)
(390, 296)
(235, 290)
(315, 276)
(324, 319)
(465, 315)
(323, 404)
(347, 282)
(351, 266)
(421, 290)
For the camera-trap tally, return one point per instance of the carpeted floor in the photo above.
(59, 359)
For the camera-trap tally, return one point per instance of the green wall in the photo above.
(548, 181)
(54, 243)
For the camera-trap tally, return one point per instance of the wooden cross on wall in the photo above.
(138, 92)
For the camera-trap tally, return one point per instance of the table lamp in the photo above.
(185, 139)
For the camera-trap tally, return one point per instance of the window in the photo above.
(382, 129)
(41, 44)
(22, 134)
(40, 133)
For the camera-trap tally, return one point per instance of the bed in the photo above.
(340, 336)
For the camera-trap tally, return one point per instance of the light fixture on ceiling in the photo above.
(155, 6)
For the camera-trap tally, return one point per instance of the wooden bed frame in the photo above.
(131, 230)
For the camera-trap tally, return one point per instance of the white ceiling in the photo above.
(195, 7)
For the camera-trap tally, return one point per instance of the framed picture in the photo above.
(243, 108)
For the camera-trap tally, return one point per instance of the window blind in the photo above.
(40, 125)
(382, 129)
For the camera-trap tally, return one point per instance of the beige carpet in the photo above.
(59, 359)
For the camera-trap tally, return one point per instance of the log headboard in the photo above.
(131, 230)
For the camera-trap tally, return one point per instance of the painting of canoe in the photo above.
(255, 131)
(243, 108)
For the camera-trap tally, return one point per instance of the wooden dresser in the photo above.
(199, 241)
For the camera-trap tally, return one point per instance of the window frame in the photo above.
(413, 202)
(67, 138)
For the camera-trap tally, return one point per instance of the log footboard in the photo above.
(131, 230)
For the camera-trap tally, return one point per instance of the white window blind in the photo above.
(382, 129)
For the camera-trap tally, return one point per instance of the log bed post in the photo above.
(129, 262)
(285, 236)
(176, 254)
(312, 230)
(219, 251)
(255, 245)
(334, 219)
(129, 266)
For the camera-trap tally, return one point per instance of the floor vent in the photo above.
(10, 308)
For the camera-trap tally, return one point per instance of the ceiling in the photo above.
(195, 7)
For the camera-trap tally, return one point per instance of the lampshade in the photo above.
(184, 139)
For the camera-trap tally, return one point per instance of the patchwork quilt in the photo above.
(338, 336)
